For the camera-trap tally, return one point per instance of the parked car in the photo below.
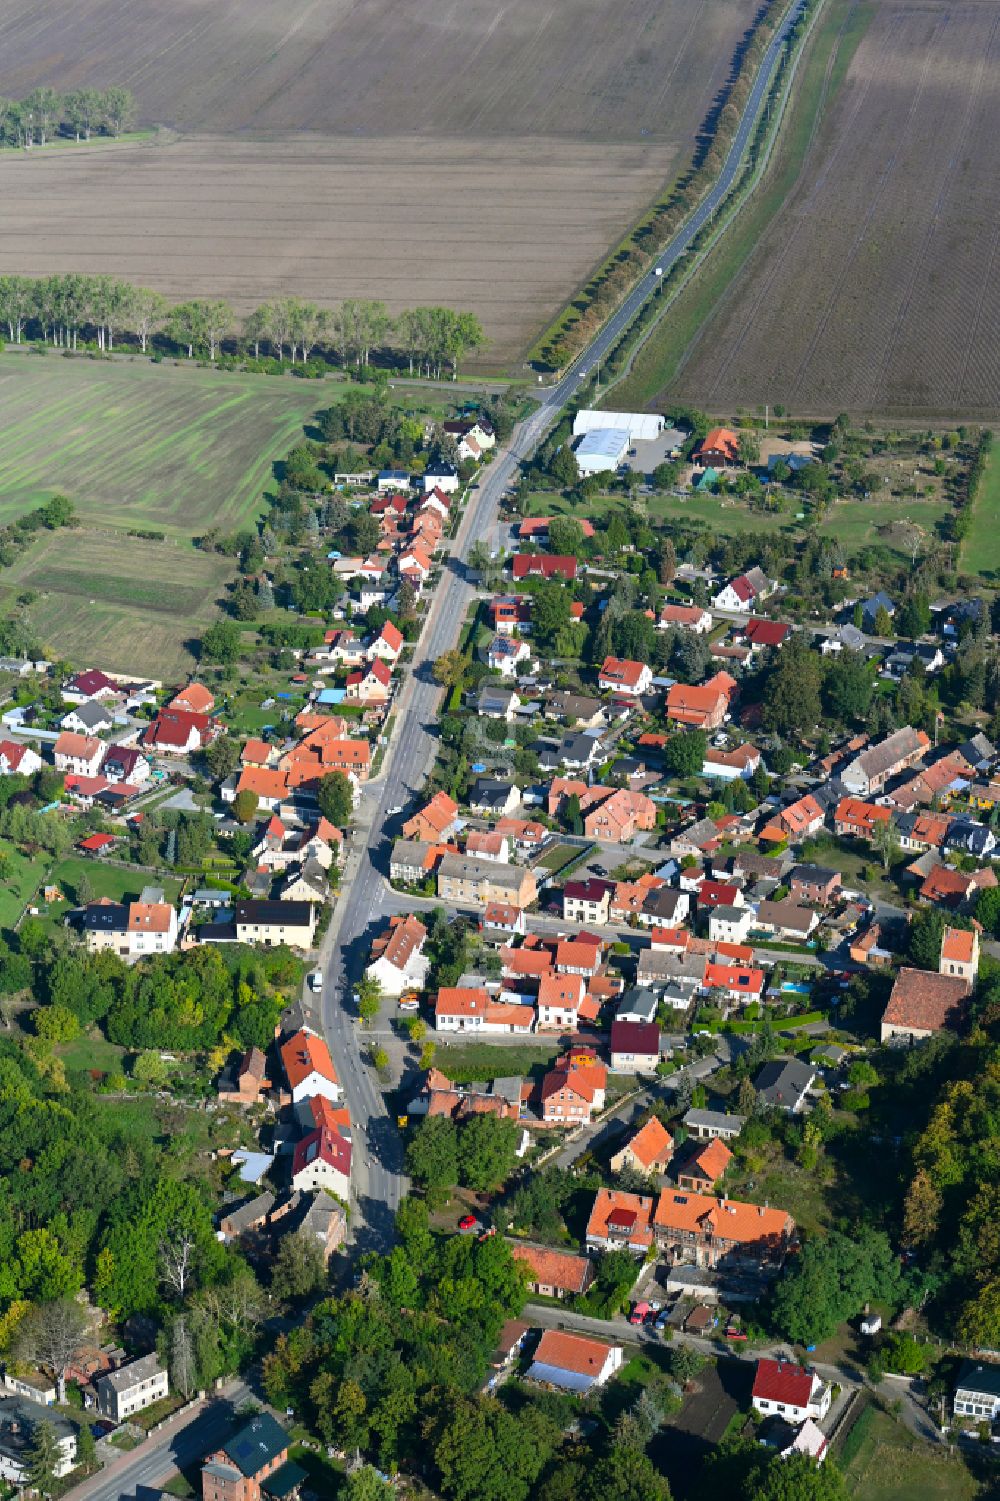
(639, 1313)
(316, 980)
(468, 1222)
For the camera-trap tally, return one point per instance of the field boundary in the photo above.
(742, 195)
(640, 332)
(666, 215)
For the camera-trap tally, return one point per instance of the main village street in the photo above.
(379, 1182)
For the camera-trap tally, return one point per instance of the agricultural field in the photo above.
(882, 1461)
(118, 602)
(143, 445)
(876, 286)
(483, 156)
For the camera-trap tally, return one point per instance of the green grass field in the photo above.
(832, 46)
(112, 881)
(483, 1060)
(981, 548)
(19, 879)
(144, 445)
(856, 523)
(118, 602)
(884, 1462)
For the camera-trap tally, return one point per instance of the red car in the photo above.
(468, 1222)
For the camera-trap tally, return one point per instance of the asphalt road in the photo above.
(166, 1452)
(379, 1181)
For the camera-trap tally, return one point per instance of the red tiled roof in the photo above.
(925, 1001)
(781, 1381)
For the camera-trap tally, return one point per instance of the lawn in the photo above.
(20, 879)
(91, 1053)
(856, 523)
(116, 602)
(143, 445)
(560, 855)
(484, 1060)
(112, 881)
(981, 549)
(884, 1462)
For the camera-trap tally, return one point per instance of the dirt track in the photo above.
(504, 228)
(878, 285)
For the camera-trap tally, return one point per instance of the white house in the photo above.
(309, 1068)
(441, 476)
(977, 1392)
(133, 1386)
(323, 1160)
(80, 754)
(18, 758)
(89, 718)
(730, 924)
(559, 1000)
(19, 1421)
(400, 963)
(791, 1391)
(506, 653)
(574, 1362)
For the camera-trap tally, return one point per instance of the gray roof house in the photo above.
(783, 1086)
(871, 607)
(19, 1419)
(133, 1386)
(707, 1124)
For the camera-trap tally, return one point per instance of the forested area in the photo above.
(44, 114)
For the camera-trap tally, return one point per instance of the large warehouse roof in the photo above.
(641, 427)
(602, 450)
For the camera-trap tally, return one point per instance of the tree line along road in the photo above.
(379, 1181)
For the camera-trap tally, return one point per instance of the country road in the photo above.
(379, 1181)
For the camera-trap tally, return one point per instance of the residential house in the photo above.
(637, 1005)
(492, 798)
(648, 1152)
(544, 566)
(960, 954)
(790, 1390)
(176, 732)
(730, 924)
(729, 766)
(472, 882)
(251, 1464)
(323, 1160)
(867, 948)
(871, 607)
(737, 982)
(977, 1392)
(794, 823)
(713, 1125)
(922, 1003)
(435, 822)
(124, 763)
(398, 959)
(587, 901)
(856, 819)
(131, 929)
(720, 445)
(577, 709)
(762, 633)
(503, 920)
(784, 1085)
(703, 708)
(947, 887)
(194, 699)
(388, 644)
(470, 1009)
(705, 1167)
(786, 920)
(560, 997)
(621, 1221)
(740, 593)
(319, 1218)
(90, 684)
(616, 817)
(553, 1274)
(664, 907)
(813, 883)
(309, 1068)
(506, 654)
(244, 1084)
(630, 679)
(80, 754)
(372, 685)
(702, 1230)
(88, 718)
(131, 1387)
(574, 1363)
(440, 475)
(495, 702)
(307, 884)
(868, 773)
(274, 923)
(574, 1088)
(686, 618)
(635, 1047)
(18, 759)
(20, 1420)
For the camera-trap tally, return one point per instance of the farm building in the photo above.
(601, 451)
(640, 427)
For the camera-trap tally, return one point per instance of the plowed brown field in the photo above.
(507, 228)
(478, 153)
(877, 286)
